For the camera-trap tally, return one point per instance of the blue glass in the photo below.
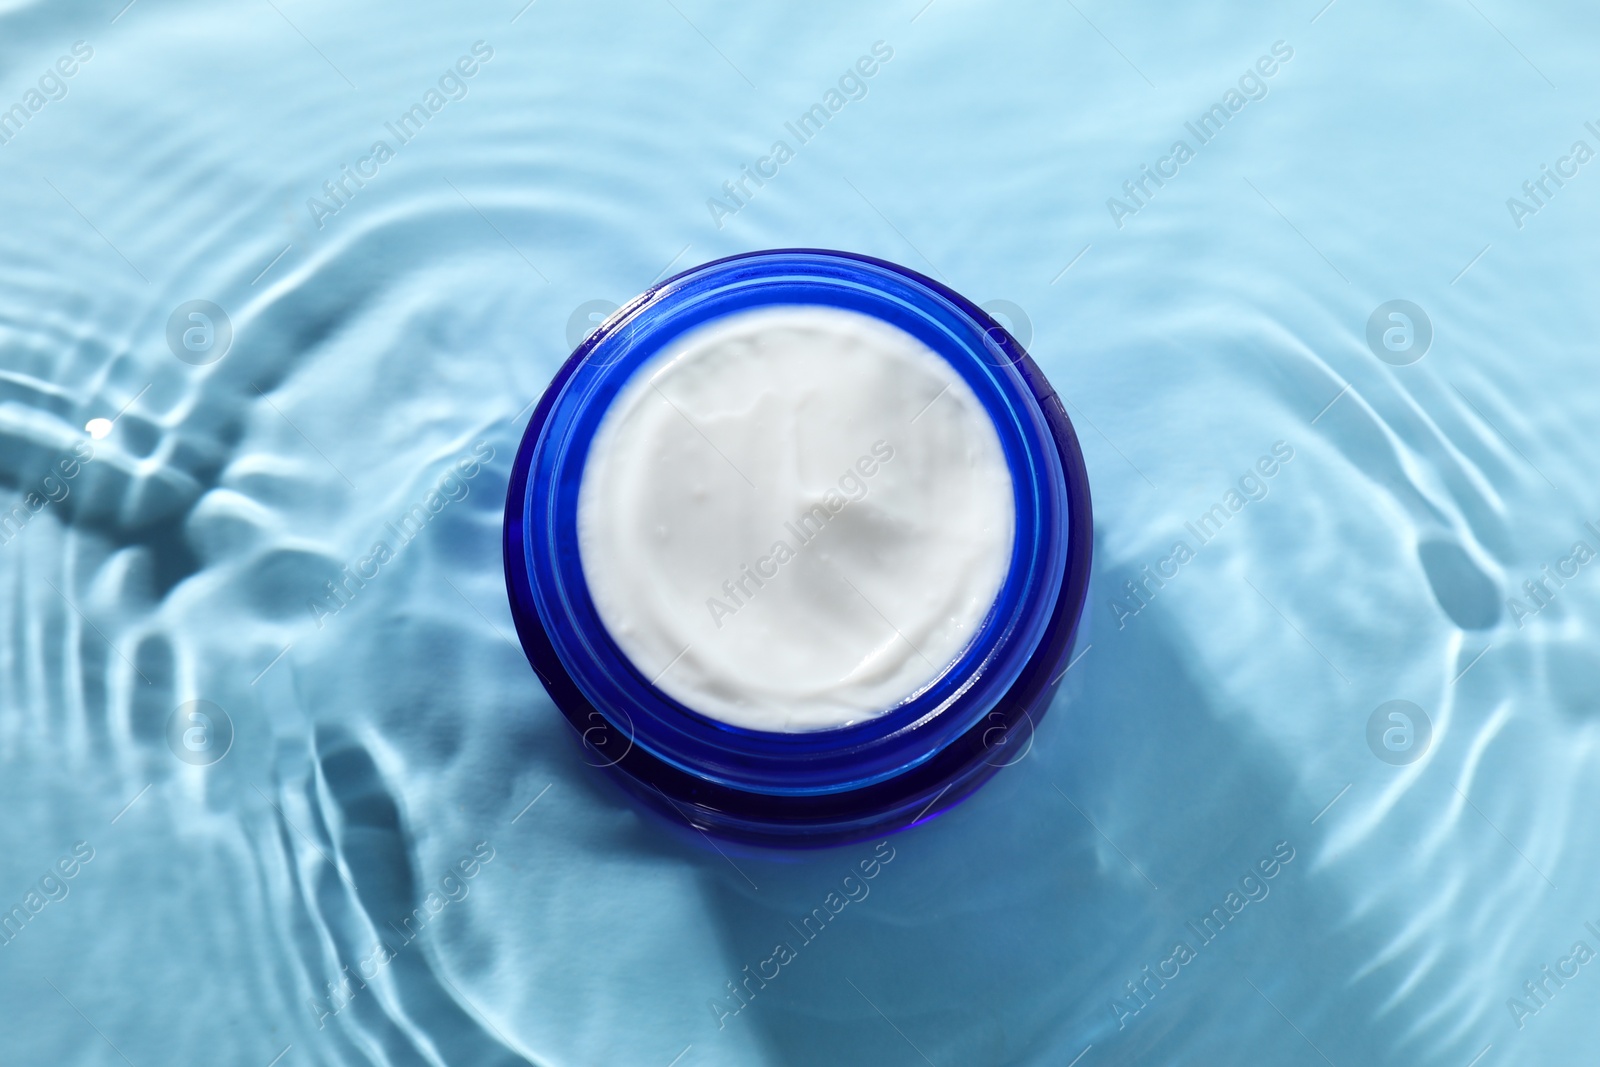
(900, 767)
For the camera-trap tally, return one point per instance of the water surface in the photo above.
(395, 311)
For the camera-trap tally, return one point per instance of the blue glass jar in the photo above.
(828, 786)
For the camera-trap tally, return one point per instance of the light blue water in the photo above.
(404, 735)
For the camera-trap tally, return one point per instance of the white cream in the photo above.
(795, 518)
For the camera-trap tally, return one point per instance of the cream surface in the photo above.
(795, 518)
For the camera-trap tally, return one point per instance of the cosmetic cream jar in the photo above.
(798, 542)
